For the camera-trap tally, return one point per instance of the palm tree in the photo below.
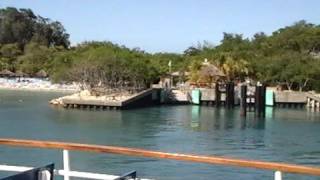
(232, 67)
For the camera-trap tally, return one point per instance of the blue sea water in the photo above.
(285, 135)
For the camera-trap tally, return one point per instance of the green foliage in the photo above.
(36, 57)
(105, 64)
(29, 42)
(8, 56)
(289, 56)
(194, 70)
(161, 61)
(22, 26)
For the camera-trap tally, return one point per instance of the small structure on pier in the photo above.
(313, 101)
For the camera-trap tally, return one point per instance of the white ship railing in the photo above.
(65, 172)
(278, 168)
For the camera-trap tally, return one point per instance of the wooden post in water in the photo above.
(257, 100)
(243, 101)
(231, 95)
(260, 102)
(263, 99)
(218, 95)
(226, 102)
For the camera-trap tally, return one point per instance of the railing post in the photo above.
(66, 164)
(44, 175)
(278, 175)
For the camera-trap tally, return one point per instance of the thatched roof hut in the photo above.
(6, 73)
(41, 74)
(19, 73)
(211, 71)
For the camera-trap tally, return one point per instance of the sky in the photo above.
(169, 25)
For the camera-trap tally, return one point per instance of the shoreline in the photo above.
(36, 85)
(38, 89)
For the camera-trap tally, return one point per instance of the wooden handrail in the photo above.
(313, 96)
(290, 168)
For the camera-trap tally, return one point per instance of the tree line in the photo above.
(289, 56)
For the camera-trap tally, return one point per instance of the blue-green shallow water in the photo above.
(286, 135)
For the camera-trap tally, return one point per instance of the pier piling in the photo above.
(260, 102)
(243, 101)
(230, 94)
(217, 95)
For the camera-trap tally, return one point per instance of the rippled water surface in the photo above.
(285, 135)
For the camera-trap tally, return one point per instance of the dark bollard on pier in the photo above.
(243, 101)
(218, 95)
(260, 102)
(230, 94)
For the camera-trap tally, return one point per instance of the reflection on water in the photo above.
(195, 121)
(269, 112)
(286, 135)
(207, 119)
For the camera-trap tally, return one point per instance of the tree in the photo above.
(191, 51)
(22, 26)
(8, 56)
(36, 57)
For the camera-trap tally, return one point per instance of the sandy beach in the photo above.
(35, 84)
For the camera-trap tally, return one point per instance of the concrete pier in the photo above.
(228, 96)
(144, 98)
(290, 99)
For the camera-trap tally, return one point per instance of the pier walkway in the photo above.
(141, 98)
